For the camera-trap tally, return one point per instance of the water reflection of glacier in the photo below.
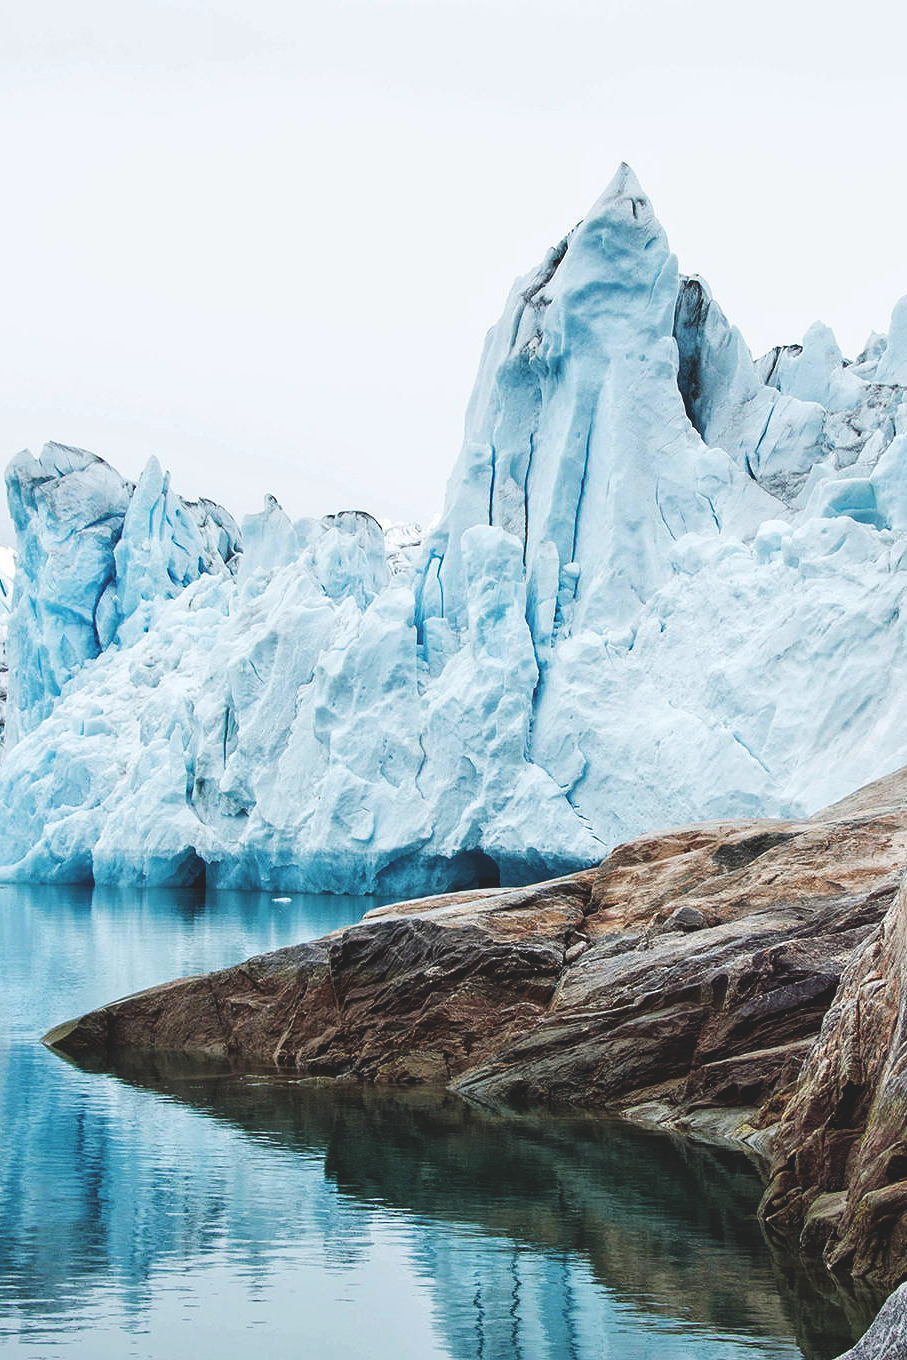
(160, 1212)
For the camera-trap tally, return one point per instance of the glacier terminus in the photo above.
(668, 584)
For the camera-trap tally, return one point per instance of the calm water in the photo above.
(175, 1214)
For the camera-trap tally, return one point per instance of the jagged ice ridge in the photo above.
(666, 585)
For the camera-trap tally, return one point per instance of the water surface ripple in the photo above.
(168, 1213)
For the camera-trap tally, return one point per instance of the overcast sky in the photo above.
(263, 239)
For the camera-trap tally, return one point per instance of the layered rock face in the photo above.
(668, 584)
(840, 1150)
(700, 978)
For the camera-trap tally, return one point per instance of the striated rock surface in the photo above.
(840, 1150)
(887, 1337)
(399, 998)
(735, 980)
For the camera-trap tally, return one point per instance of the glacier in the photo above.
(7, 575)
(666, 585)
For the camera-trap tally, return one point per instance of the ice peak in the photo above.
(620, 235)
(623, 189)
(892, 367)
(59, 459)
(624, 183)
(153, 481)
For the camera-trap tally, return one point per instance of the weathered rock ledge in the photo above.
(736, 980)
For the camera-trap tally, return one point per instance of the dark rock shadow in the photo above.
(666, 1225)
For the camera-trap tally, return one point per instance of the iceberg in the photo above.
(667, 584)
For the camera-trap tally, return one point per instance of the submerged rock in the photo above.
(887, 1337)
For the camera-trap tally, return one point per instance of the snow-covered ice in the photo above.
(668, 583)
(94, 550)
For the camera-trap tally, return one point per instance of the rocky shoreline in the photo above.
(738, 981)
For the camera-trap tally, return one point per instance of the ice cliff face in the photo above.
(96, 554)
(667, 584)
(7, 573)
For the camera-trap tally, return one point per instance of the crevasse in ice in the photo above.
(666, 585)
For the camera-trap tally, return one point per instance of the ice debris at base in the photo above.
(668, 584)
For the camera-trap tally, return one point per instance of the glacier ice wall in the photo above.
(7, 574)
(93, 551)
(667, 584)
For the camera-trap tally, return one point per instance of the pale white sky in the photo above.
(263, 239)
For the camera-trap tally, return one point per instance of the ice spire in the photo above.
(577, 441)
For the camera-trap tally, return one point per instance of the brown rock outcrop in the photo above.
(840, 1148)
(685, 981)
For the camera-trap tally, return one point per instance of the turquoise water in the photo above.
(177, 1214)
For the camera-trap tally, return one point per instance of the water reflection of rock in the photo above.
(515, 1224)
(88, 1191)
(667, 1227)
